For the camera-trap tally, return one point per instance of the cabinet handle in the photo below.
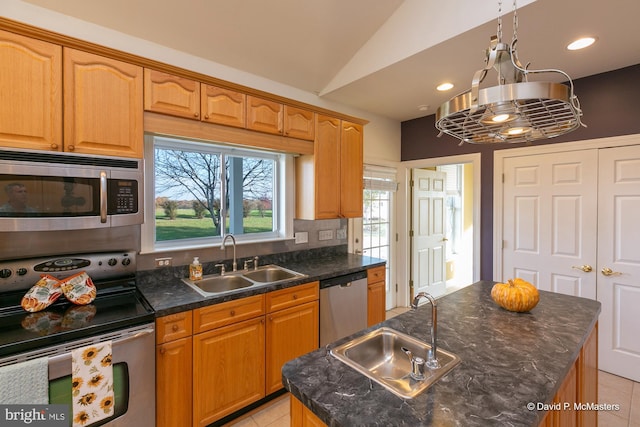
(54, 146)
(586, 268)
(196, 114)
(295, 296)
(71, 147)
(175, 328)
(606, 271)
(162, 350)
(232, 312)
(206, 116)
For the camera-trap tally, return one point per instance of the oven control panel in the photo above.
(24, 273)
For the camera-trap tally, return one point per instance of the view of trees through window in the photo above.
(203, 191)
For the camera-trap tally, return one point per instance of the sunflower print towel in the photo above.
(92, 384)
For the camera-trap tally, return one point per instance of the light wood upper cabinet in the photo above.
(334, 172)
(299, 123)
(264, 115)
(31, 91)
(351, 170)
(223, 106)
(168, 94)
(103, 105)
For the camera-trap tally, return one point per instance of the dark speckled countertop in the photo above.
(508, 360)
(167, 294)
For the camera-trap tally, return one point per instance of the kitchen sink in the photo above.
(217, 284)
(382, 356)
(270, 273)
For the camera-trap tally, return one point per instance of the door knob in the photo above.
(586, 268)
(606, 271)
(444, 239)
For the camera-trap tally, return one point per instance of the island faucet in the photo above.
(432, 357)
(222, 248)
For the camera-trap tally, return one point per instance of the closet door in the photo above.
(550, 221)
(619, 260)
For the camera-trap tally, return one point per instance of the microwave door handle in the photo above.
(103, 197)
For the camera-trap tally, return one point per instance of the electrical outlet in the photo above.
(163, 262)
(325, 234)
(301, 237)
(341, 233)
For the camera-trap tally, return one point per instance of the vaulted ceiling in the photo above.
(381, 56)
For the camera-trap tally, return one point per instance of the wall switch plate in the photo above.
(163, 262)
(301, 237)
(341, 233)
(325, 234)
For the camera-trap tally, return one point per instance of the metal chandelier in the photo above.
(516, 110)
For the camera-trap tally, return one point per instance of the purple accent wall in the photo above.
(611, 107)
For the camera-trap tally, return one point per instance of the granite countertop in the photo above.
(508, 360)
(167, 294)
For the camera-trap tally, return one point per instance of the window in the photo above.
(203, 191)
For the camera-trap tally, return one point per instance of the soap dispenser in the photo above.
(195, 270)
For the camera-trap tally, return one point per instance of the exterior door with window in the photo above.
(428, 229)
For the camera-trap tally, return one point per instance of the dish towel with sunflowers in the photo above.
(92, 383)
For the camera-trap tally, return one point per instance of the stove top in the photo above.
(118, 303)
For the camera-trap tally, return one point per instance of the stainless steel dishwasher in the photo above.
(343, 306)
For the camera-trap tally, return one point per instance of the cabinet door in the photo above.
(102, 105)
(31, 88)
(290, 333)
(168, 94)
(223, 106)
(376, 303)
(351, 159)
(327, 167)
(299, 123)
(174, 383)
(264, 115)
(228, 370)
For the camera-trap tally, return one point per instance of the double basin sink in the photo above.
(217, 284)
(382, 356)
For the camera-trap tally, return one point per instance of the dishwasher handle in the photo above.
(343, 280)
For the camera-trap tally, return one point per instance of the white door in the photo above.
(550, 221)
(428, 254)
(619, 261)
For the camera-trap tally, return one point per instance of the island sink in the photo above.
(382, 356)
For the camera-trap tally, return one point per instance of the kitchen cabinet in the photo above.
(31, 88)
(228, 358)
(168, 94)
(223, 106)
(299, 123)
(174, 370)
(264, 115)
(334, 172)
(303, 417)
(376, 295)
(103, 106)
(292, 328)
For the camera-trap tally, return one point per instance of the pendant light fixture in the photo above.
(516, 110)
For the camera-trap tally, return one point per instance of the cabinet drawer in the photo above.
(285, 298)
(173, 327)
(376, 274)
(217, 315)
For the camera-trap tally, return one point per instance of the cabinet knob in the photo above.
(206, 116)
(162, 350)
(174, 328)
(54, 146)
(71, 148)
(232, 312)
(295, 296)
(196, 114)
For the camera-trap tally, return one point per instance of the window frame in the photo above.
(282, 204)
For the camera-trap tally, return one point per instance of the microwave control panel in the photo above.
(123, 196)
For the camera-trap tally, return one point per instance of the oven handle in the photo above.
(121, 340)
(103, 197)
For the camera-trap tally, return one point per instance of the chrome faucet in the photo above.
(432, 357)
(222, 248)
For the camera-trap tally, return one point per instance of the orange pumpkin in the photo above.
(515, 295)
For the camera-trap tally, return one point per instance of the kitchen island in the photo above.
(516, 368)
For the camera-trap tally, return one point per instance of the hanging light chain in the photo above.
(499, 21)
(515, 21)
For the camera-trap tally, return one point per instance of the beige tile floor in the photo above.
(611, 389)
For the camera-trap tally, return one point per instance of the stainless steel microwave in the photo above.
(42, 190)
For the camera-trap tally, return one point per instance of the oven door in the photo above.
(133, 361)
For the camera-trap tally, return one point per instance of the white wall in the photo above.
(382, 135)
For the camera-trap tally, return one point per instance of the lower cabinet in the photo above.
(376, 295)
(215, 360)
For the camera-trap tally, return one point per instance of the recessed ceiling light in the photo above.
(581, 43)
(444, 86)
(423, 107)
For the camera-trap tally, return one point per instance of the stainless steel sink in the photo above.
(217, 284)
(380, 356)
(271, 273)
